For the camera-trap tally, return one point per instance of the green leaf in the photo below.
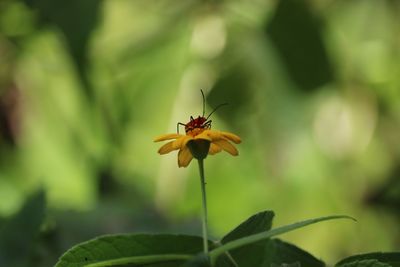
(231, 82)
(199, 261)
(257, 223)
(390, 258)
(76, 19)
(238, 243)
(19, 232)
(278, 252)
(252, 254)
(160, 250)
(266, 252)
(388, 194)
(367, 263)
(296, 33)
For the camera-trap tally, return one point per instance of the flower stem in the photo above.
(204, 202)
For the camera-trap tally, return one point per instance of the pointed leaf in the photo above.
(252, 254)
(266, 252)
(244, 241)
(257, 223)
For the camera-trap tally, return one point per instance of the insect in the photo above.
(201, 121)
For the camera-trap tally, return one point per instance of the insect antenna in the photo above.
(204, 102)
(215, 109)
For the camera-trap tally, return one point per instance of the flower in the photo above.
(198, 143)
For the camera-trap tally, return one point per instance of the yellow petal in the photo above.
(204, 135)
(168, 147)
(214, 149)
(232, 137)
(184, 157)
(181, 142)
(228, 147)
(213, 135)
(166, 137)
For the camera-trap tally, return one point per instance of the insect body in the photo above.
(201, 122)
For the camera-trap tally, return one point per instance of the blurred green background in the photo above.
(313, 90)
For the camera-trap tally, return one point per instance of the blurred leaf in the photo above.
(18, 233)
(109, 250)
(296, 33)
(373, 259)
(232, 87)
(278, 252)
(388, 194)
(76, 19)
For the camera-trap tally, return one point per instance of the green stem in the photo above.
(140, 260)
(204, 203)
(214, 254)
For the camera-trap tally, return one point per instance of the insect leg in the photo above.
(177, 126)
(207, 124)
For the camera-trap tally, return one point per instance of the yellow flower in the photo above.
(213, 141)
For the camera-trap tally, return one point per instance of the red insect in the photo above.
(201, 121)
